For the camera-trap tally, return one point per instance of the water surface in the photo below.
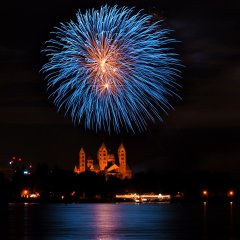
(120, 221)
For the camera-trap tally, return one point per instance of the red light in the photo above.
(19, 159)
(13, 158)
(30, 166)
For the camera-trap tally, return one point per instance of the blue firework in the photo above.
(111, 69)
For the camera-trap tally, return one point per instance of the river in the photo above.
(120, 221)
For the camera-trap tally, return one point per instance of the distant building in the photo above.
(106, 163)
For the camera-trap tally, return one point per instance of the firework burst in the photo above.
(111, 69)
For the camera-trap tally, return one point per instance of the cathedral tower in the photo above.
(122, 160)
(102, 157)
(82, 160)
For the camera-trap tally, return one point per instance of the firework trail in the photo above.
(111, 69)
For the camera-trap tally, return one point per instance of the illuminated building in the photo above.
(29, 194)
(82, 162)
(106, 163)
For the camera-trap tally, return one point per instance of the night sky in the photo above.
(203, 133)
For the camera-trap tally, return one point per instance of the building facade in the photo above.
(106, 163)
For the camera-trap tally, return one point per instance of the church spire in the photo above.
(122, 158)
(102, 157)
(82, 160)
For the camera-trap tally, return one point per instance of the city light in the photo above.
(21, 165)
(29, 194)
(204, 193)
(34, 195)
(230, 193)
(26, 172)
(25, 193)
(144, 197)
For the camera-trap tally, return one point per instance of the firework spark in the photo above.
(111, 69)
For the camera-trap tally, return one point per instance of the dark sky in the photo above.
(203, 133)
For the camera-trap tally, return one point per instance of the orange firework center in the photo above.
(105, 67)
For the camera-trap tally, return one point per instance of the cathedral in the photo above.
(106, 163)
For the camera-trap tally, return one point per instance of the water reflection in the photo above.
(231, 220)
(108, 221)
(120, 221)
(204, 234)
(231, 209)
